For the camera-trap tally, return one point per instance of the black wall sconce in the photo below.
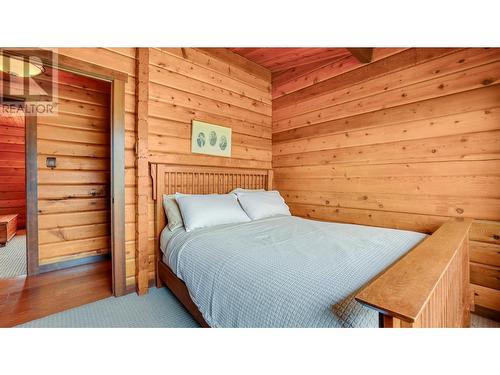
(51, 162)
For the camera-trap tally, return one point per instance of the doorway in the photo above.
(55, 178)
(74, 162)
(63, 180)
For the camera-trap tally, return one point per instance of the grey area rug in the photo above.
(13, 257)
(477, 321)
(159, 308)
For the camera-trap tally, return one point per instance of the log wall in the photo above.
(406, 141)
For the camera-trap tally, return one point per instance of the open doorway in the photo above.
(55, 199)
(13, 244)
(74, 172)
(74, 149)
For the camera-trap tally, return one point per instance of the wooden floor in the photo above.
(27, 298)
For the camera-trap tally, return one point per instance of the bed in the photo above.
(292, 272)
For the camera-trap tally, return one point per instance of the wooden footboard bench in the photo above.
(428, 287)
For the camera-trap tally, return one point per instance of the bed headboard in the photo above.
(171, 179)
(192, 179)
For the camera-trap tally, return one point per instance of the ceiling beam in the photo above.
(364, 55)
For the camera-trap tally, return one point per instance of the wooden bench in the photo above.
(429, 286)
(8, 227)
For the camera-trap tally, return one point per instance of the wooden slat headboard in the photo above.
(171, 179)
(191, 179)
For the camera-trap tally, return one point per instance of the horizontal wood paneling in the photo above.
(12, 166)
(406, 141)
(291, 80)
(485, 275)
(486, 297)
(485, 253)
(74, 218)
(122, 60)
(473, 78)
(208, 84)
(485, 231)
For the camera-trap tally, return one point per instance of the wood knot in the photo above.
(433, 150)
(487, 82)
(496, 237)
(460, 210)
(441, 86)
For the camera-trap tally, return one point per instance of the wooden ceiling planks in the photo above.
(280, 59)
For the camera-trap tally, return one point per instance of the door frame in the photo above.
(31, 178)
(117, 80)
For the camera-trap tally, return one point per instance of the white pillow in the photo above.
(174, 218)
(259, 205)
(201, 211)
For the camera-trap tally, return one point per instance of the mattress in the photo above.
(283, 271)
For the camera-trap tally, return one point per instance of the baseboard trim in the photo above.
(73, 263)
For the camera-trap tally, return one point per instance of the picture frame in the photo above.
(210, 139)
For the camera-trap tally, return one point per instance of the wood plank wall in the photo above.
(406, 141)
(122, 60)
(213, 85)
(73, 199)
(12, 163)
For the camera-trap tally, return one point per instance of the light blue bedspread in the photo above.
(284, 271)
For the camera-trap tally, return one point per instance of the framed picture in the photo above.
(210, 139)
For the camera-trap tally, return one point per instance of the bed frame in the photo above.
(428, 287)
